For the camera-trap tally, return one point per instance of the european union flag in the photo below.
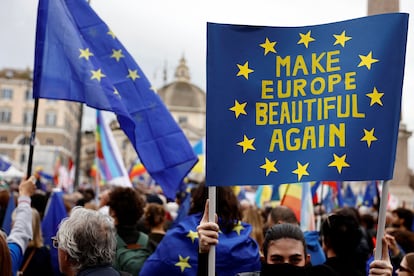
(78, 58)
(7, 220)
(298, 104)
(54, 213)
(177, 253)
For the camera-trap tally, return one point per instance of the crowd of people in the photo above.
(132, 231)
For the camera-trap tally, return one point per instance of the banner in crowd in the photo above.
(300, 104)
(78, 58)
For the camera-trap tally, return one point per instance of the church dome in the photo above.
(181, 93)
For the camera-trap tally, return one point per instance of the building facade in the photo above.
(56, 128)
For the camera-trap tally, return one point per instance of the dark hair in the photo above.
(404, 238)
(341, 233)
(405, 214)
(283, 214)
(283, 231)
(228, 209)
(128, 205)
(154, 214)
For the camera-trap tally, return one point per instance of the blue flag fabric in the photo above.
(349, 197)
(54, 213)
(177, 253)
(306, 103)
(371, 194)
(78, 58)
(7, 220)
(4, 165)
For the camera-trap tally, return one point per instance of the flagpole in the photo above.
(78, 147)
(381, 219)
(285, 194)
(32, 138)
(211, 217)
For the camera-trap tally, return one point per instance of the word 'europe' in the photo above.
(313, 101)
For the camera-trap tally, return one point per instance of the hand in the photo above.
(207, 232)
(382, 267)
(27, 187)
(392, 244)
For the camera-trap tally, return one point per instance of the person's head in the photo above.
(126, 206)
(407, 265)
(281, 214)
(154, 215)
(228, 208)
(85, 239)
(402, 218)
(5, 258)
(285, 243)
(340, 235)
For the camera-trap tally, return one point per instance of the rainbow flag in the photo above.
(110, 164)
(298, 197)
(291, 196)
(137, 169)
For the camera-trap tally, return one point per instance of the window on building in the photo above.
(6, 93)
(22, 158)
(182, 119)
(3, 139)
(24, 141)
(27, 117)
(29, 95)
(5, 115)
(51, 118)
(49, 141)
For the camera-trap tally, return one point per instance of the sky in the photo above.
(159, 32)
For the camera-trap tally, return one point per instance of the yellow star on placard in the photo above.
(85, 53)
(244, 70)
(367, 60)
(238, 108)
(268, 46)
(269, 166)
(301, 170)
(305, 39)
(97, 75)
(183, 263)
(133, 74)
(111, 34)
(341, 39)
(238, 227)
(375, 97)
(192, 235)
(117, 54)
(339, 162)
(247, 144)
(369, 136)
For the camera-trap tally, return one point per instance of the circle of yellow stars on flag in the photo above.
(339, 161)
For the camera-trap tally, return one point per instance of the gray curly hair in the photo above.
(88, 237)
